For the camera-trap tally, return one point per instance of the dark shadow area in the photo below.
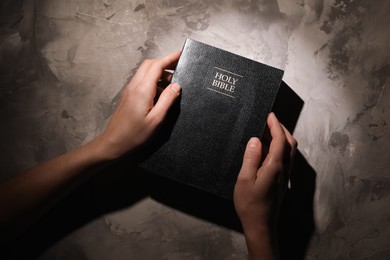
(287, 108)
(117, 186)
(121, 184)
(114, 187)
(195, 202)
(296, 223)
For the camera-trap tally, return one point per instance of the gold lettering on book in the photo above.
(225, 82)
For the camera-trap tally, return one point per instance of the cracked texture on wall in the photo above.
(63, 65)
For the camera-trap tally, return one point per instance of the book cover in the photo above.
(225, 101)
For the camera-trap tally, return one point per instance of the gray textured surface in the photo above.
(63, 64)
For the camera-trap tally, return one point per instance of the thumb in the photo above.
(251, 161)
(165, 101)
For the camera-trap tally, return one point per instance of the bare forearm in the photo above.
(135, 120)
(30, 194)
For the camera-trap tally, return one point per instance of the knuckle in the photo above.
(168, 93)
(156, 64)
(276, 165)
(139, 92)
(283, 139)
(250, 156)
(242, 178)
(252, 153)
(294, 143)
(150, 124)
(286, 144)
(155, 120)
(147, 61)
(279, 167)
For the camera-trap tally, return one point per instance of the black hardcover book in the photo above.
(225, 101)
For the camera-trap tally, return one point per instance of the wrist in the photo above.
(101, 151)
(261, 242)
(257, 234)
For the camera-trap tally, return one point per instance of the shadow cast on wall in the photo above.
(122, 184)
(296, 222)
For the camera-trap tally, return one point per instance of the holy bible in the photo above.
(225, 100)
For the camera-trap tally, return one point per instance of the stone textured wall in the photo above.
(63, 65)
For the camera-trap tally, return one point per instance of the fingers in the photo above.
(251, 161)
(282, 148)
(293, 147)
(279, 139)
(282, 142)
(170, 61)
(165, 80)
(291, 140)
(164, 102)
(151, 70)
(167, 75)
(157, 67)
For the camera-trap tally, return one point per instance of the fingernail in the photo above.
(253, 142)
(176, 87)
(273, 116)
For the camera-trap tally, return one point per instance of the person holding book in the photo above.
(137, 117)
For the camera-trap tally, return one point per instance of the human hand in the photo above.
(133, 122)
(137, 116)
(259, 190)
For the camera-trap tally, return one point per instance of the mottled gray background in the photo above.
(64, 63)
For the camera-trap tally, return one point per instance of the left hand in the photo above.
(137, 117)
(259, 189)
